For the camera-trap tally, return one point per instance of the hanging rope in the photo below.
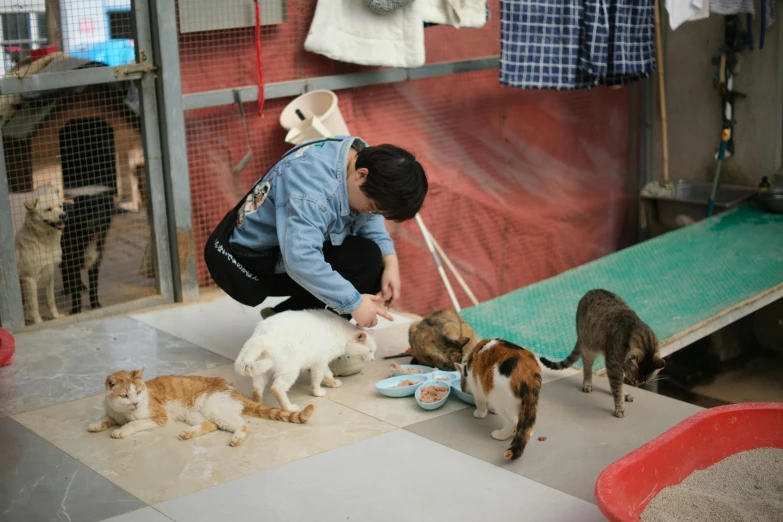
(259, 61)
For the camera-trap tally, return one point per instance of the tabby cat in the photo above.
(206, 403)
(606, 325)
(441, 339)
(509, 378)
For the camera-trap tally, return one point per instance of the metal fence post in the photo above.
(156, 188)
(174, 147)
(11, 310)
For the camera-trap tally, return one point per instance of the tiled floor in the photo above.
(583, 435)
(54, 366)
(40, 482)
(361, 457)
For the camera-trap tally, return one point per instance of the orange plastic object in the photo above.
(624, 489)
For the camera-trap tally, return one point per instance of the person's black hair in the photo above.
(396, 182)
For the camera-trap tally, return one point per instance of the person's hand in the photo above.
(367, 314)
(390, 281)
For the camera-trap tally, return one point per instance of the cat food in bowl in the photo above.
(393, 386)
(432, 395)
(456, 386)
(442, 376)
(410, 369)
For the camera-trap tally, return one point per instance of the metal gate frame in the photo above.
(165, 156)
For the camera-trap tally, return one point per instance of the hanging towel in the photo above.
(770, 11)
(457, 13)
(681, 11)
(486, 19)
(732, 7)
(347, 31)
(576, 44)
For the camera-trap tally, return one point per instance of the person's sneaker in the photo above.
(266, 313)
(346, 365)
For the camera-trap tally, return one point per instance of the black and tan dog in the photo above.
(83, 243)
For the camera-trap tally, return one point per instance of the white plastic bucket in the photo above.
(310, 129)
(323, 105)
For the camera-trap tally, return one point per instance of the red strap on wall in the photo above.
(260, 61)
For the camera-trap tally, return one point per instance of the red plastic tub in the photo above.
(7, 347)
(624, 489)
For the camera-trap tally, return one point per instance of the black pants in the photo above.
(358, 260)
(249, 277)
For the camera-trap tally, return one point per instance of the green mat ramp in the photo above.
(673, 282)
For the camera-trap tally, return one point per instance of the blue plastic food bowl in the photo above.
(433, 405)
(388, 386)
(441, 376)
(456, 386)
(426, 369)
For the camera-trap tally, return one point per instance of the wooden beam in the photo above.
(53, 24)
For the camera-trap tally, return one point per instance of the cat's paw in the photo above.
(587, 388)
(628, 397)
(333, 383)
(186, 435)
(236, 441)
(118, 434)
(619, 413)
(480, 414)
(502, 434)
(95, 427)
(320, 392)
(293, 408)
(238, 438)
(55, 314)
(491, 410)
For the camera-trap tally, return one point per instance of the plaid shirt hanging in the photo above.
(576, 44)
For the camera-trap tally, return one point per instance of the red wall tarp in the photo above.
(523, 184)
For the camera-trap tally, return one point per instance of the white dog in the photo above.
(38, 251)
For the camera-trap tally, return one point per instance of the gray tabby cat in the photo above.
(606, 325)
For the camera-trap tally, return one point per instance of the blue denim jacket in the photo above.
(307, 205)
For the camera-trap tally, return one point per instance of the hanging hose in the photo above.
(724, 140)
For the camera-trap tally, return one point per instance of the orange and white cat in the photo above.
(508, 378)
(206, 403)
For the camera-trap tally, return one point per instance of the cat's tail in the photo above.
(565, 363)
(253, 368)
(256, 409)
(249, 362)
(527, 418)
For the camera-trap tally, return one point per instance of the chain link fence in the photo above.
(524, 184)
(74, 154)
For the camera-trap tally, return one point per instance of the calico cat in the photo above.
(206, 403)
(606, 325)
(509, 378)
(291, 341)
(441, 339)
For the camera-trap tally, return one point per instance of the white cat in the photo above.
(289, 342)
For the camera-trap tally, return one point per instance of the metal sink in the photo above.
(690, 200)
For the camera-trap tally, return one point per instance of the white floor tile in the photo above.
(156, 466)
(392, 477)
(142, 515)
(220, 325)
